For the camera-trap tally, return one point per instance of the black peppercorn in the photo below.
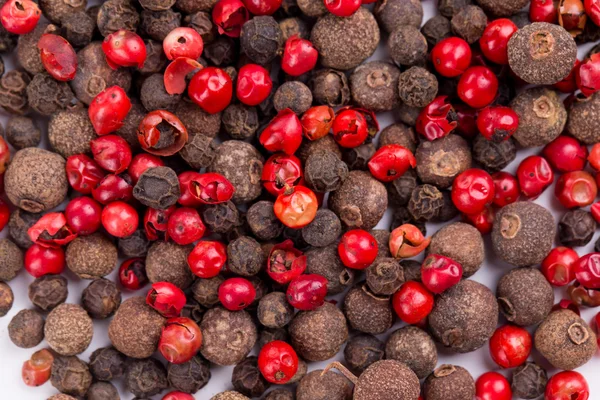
(398, 134)
(247, 378)
(11, 260)
(493, 156)
(70, 132)
(79, 28)
(101, 298)
(263, 222)
(576, 228)
(382, 236)
(374, 86)
(117, 14)
(199, 151)
(21, 132)
(27, 51)
(158, 24)
(18, 224)
(158, 188)
(134, 245)
(192, 6)
(189, 377)
(268, 335)
(6, 298)
(157, 5)
(202, 23)
(384, 276)
(412, 270)
(309, 147)
(449, 382)
(321, 385)
(392, 14)
(323, 230)
(294, 95)
(48, 291)
(245, 256)
(462, 243)
(240, 121)
(417, 87)
(92, 256)
(57, 10)
(312, 8)
(107, 364)
(205, 291)
(274, 311)
(469, 23)
(436, 29)
(363, 350)
(156, 58)
(402, 216)
(330, 87)
(413, 347)
(542, 116)
(221, 52)
(221, 218)
(529, 381)
(46, 95)
(425, 202)
(154, 96)
(325, 261)
(13, 91)
(102, 391)
(8, 41)
(70, 376)
(294, 26)
(145, 378)
(325, 172)
(26, 329)
(359, 157)
(407, 46)
(280, 394)
(261, 39)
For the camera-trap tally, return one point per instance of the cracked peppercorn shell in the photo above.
(274, 311)
(529, 381)
(227, 336)
(492, 156)
(206, 291)
(309, 147)
(469, 23)
(442, 160)
(324, 230)
(523, 233)
(436, 29)
(157, 187)
(525, 296)
(319, 334)
(374, 86)
(58, 10)
(325, 172)
(229, 395)
(464, 317)
(330, 87)
(156, 59)
(294, 26)
(158, 24)
(46, 95)
(199, 151)
(398, 133)
(70, 375)
(359, 157)
(280, 394)
(167, 262)
(240, 121)
(407, 46)
(363, 350)
(154, 96)
(584, 114)
(26, 329)
(11, 260)
(576, 228)
(79, 28)
(387, 379)
(21, 132)
(189, 377)
(425, 202)
(449, 382)
(391, 14)
(384, 276)
(13, 91)
(325, 261)
(102, 391)
(461, 242)
(6, 299)
(221, 218)
(48, 291)
(134, 245)
(245, 256)
(263, 222)
(502, 8)
(18, 224)
(415, 348)
(344, 43)
(92, 256)
(417, 87)
(145, 378)
(70, 132)
(261, 39)
(402, 216)
(101, 298)
(367, 312)
(247, 379)
(68, 329)
(107, 364)
(319, 385)
(28, 54)
(565, 340)
(294, 95)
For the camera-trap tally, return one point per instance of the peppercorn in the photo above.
(245, 256)
(26, 329)
(521, 19)
(384, 276)
(417, 87)
(205, 291)
(382, 237)
(11, 260)
(312, 8)
(136, 328)
(413, 347)
(107, 364)
(79, 28)
(102, 391)
(6, 298)
(576, 228)
(469, 23)
(46, 95)
(412, 270)
(493, 156)
(268, 335)
(261, 39)
(199, 151)
(325, 172)
(167, 262)
(28, 54)
(442, 160)
(101, 298)
(61, 396)
(229, 395)
(158, 24)
(320, 385)
(387, 379)
(18, 224)
(8, 41)
(68, 329)
(157, 5)
(145, 378)
(425, 203)
(247, 378)
(529, 381)
(189, 377)
(192, 6)
(398, 134)
(359, 157)
(263, 222)
(154, 96)
(294, 26)
(156, 59)
(374, 86)
(449, 382)
(344, 43)
(135, 245)
(464, 317)
(367, 312)
(57, 10)
(402, 216)
(363, 350)
(274, 311)
(325, 261)
(330, 87)
(48, 291)
(221, 218)
(228, 336)
(21, 132)
(70, 376)
(436, 29)
(565, 340)
(130, 125)
(280, 394)
(70, 132)
(240, 121)
(13, 91)
(523, 233)
(294, 95)
(323, 230)
(407, 46)
(502, 8)
(461, 242)
(309, 147)
(392, 14)
(584, 112)
(92, 256)
(158, 188)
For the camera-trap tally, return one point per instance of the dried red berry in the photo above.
(166, 298)
(472, 191)
(132, 273)
(296, 207)
(120, 219)
(156, 221)
(282, 172)
(211, 88)
(317, 122)
(229, 16)
(497, 123)
(180, 340)
(566, 154)
(111, 152)
(412, 302)
(108, 110)
(207, 259)
(20, 16)
(558, 266)
(576, 189)
(451, 57)
(534, 175)
(299, 55)
(510, 346)
(391, 162)
(183, 42)
(185, 226)
(277, 362)
(284, 133)
(161, 122)
(407, 241)
(350, 128)
(124, 48)
(285, 262)
(36, 371)
(440, 273)
(478, 87)
(83, 215)
(113, 188)
(357, 249)
(140, 163)
(210, 188)
(83, 173)
(567, 385)
(40, 261)
(494, 40)
(254, 84)
(58, 57)
(587, 270)
(176, 74)
(51, 231)
(236, 293)
(437, 119)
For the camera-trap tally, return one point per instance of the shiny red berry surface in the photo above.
(510, 346)
(132, 273)
(119, 219)
(285, 262)
(235, 294)
(108, 110)
(472, 191)
(413, 302)
(307, 292)
(297, 208)
(253, 84)
(180, 340)
(83, 215)
(357, 249)
(111, 152)
(567, 385)
(492, 386)
(478, 87)
(40, 261)
(497, 123)
(277, 362)
(558, 266)
(534, 175)
(440, 273)
(451, 57)
(299, 55)
(166, 298)
(494, 40)
(566, 154)
(20, 16)
(185, 226)
(183, 42)
(211, 89)
(207, 259)
(576, 189)
(58, 57)
(124, 48)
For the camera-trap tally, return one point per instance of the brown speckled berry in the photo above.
(92, 256)
(413, 347)
(471, 252)
(68, 329)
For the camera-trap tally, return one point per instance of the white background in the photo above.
(478, 362)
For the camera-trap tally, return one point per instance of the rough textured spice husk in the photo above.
(374, 85)
(425, 203)
(13, 87)
(70, 375)
(330, 87)
(46, 95)
(382, 236)
(363, 350)
(442, 160)
(240, 121)
(206, 291)
(48, 291)
(529, 381)
(135, 245)
(326, 143)
(565, 340)
(319, 334)
(79, 28)
(35, 180)
(145, 378)
(68, 329)
(325, 261)
(21, 132)
(130, 125)
(92, 256)
(504, 8)
(154, 95)
(26, 329)
(101, 298)
(61, 397)
(523, 233)
(398, 134)
(367, 312)
(493, 156)
(18, 224)
(11, 260)
(413, 347)
(198, 121)
(6, 298)
(167, 262)
(584, 116)
(412, 270)
(245, 256)
(158, 24)
(576, 228)
(199, 151)
(317, 385)
(436, 29)
(57, 11)
(70, 132)
(247, 378)
(469, 23)
(417, 87)
(192, 6)
(107, 364)
(190, 376)
(449, 382)
(323, 230)
(542, 116)
(464, 317)
(461, 242)
(294, 26)
(344, 43)
(385, 276)
(407, 46)
(262, 220)
(387, 379)
(27, 51)
(227, 336)
(274, 311)
(261, 39)
(229, 395)
(325, 172)
(157, 187)
(267, 335)
(542, 53)
(359, 157)
(102, 391)
(294, 95)
(394, 13)
(280, 394)
(136, 328)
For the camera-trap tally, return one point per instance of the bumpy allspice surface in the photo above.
(461, 242)
(68, 329)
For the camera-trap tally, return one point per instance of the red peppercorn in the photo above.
(83, 173)
(595, 209)
(176, 73)
(497, 123)
(466, 118)
(307, 292)
(558, 266)
(185, 226)
(569, 83)
(407, 241)
(543, 11)
(186, 198)
(277, 362)
(183, 42)
(285, 262)
(510, 346)
(284, 133)
(282, 172)
(253, 85)
(412, 302)
(113, 188)
(108, 110)
(566, 305)
(342, 8)
(180, 340)
(592, 9)
(587, 270)
(587, 76)
(132, 273)
(594, 157)
(210, 188)
(178, 396)
(58, 57)
(149, 133)
(317, 122)
(156, 221)
(40, 261)
(567, 385)
(350, 128)
(166, 298)
(391, 162)
(299, 55)
(51, 231)
(566, 154)
(4, 214)
(534, 175)
(492, 386)
(20, 16)
(236, 293)
(576, 189)
(83, 215)
(483, 220)
(229, 16)
(437, 119)
(124, 48)
(440, 273)
(111, 152)
(37, 370)
(211, 88)
(451, 57)
(297, 207)
(262, 7)
(494, 40)
(119, 219)
(506, 189)
(207, 259)
(140, 163)
(4, 156)
(571, 16)
(472, 191)
(357, 249)
(478, 87)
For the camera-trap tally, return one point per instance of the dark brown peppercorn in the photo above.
(436, 29)
(8, 41)
(221, 52)
(205, 291)
(267, 335)
(201, 22)
(469, 23)
(145, 378)
(402, 216)
(529, 381)
(48, 291)
(323, 230)
(450, 7)
(61, 396)
(330, 87)
(413, 347)
(542, 116)
(449, 382)
(6, 299)
(392, 14)
(382, 236)
(320, 385)
(230, 395)
(363, 350)
(101, 298)
(407, 46)
(13, 91)
(493, 156)
(26, 329)
(576, 228)
(158, 188)
(18, 224)
(280, 394)
(11, 260)
(309, 147)
(131, 123)
(521, 20)
(294, 26)
(102, 391)
(359, 157)
(154, 96)
(21, 132)
(312, 8)
(294, 95)
(57, 10)
(92, 256)
(502, 8)
(367, 312)
(412, 270)
(384, 276)
(247, 379)
(374, 86)
(79, 28)
(263, 222)
(157, 5)
(398, 134)
(158, 24)
(461, 242)
(325, 261)
(135, 245)
(192, 6)
(525, 296)
(68, 329)
(245, 256)
(221, 218)
(523, 233)
(386, 379)
(156, 59)
(199, 151)
(565, 340)
(417, 87)
(584, 113)
(107, 364)
(440, 161)
(167, 262)
(46, 95)
(27, 51)
(325, 172)
(274, 311)
(70, 376)
(448, 210)
(70, 132)
(117, 14)
(261, 39)
(227, 336)
(425, 202)
(240, 121)
(464, 317)
(189, 377)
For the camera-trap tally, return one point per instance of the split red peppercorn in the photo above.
(186, 198)
(83, 173)
(156, 221)
(207, 259)
(4, 214)
(83, 215)
(472, 191)
(439, 273)
(437, 119)
(571, 16)
(407, 241)
(506, 189)
(342, 8)
(51, 231)
(543, 11)
(297, 207)
(58, 57)
(566, 154)
(132, 273)
(37, 370)
(412, 302)
(178, 396)
(119, 219)
(40, 261)
(478, 87)
(277, 362)
(262, 7)
(282, 172)
(494, 40)
(149, 133)
(483, 220)
(142, 162)
(587, 75)
(210, 188)
(124, 48)
(587, 270)
(576, 189)
(20, 16)
(317, 122)
(113, 188)
(307, 292)
(492, 386)
(451, 57)
(285, 262)
(299, 55)
(166, 298)
(534, 175)
(558, 266)
(229, 16)
(350, 128)
(510, 346)
(180, 340)
(357, 249)
(176, 74)
(253, 85)
(211, 89)
(497, 123)
(567, 385)
(185, 226)
(108, 110)
(111, 152)
(236, 293)
(391, 162)
(183, 42)
(284, 133)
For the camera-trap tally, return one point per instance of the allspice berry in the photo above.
(136, 328)
(367, 312)
(529, 381)
(274, 311)
(449, 382)
(385, 276)
(101, 298)
(229, 395)
(6, 298)
(502, 8)
(61, 396)
(584, 114)
(374, 86)
(399, 134)
(48, 291)
(22, 132)
(469, 23)
(417, 87)
(145, 378)
(26, 329)
(294, 95)
(387, 379)
(319, 385)
(464, 317)
(326, 262)
(442, 160)
(323, 230)
(461, 242)
(70, 375)
(247, 379)
(167, 262)
(413, 347)
(102, 391)
(11, 260)
(363, 350)
(107, 363)
(70, 132)
(394, 13)
(35, 180)
(92, 256)
(523, 233)
(68, 329)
